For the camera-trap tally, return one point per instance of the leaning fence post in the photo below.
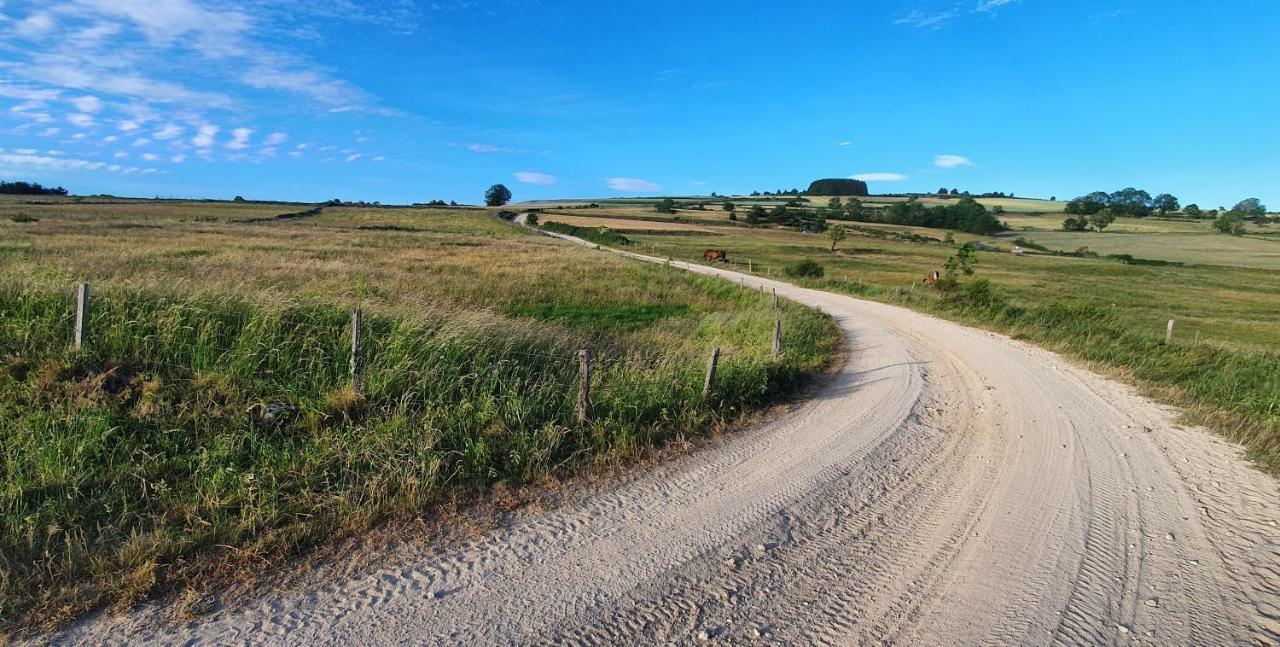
(1168, 333)
(584, 385)
(777, 338)
(355, 350)
(775, 297)
(711, 372)
(82, 315)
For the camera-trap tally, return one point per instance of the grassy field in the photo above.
(1224, 364)
(627, 226)
(1166, 239)
(209, 428)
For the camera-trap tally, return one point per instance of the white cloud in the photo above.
(150, 157)
(530, 177)
(354, 156)
(25, 151)
(951, 161)
(275, 139)
(923, 20)
(34, 26)
(27, 93)
(51, 131)
(167, 132)
(141, 141)
(178, 159)
(204, 136)
(121, 155)
(87, 103)
(486, 148)
(239, 139)
(379, 158)
(80, 119)
(295, 153)
(844, 143)
(39, 162)
(128, 125)
(110, 138)
(879, 177)
(991, 5)
(631, 185)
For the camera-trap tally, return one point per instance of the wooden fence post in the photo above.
(711, 372)
(1168, 333)
(775, 298)
(584, 385)
(777, 338)
(355, 350)
(82, 316)
(749, 266)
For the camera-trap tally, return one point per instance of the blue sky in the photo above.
(406, 101)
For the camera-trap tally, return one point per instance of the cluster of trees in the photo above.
(944, 192)
(1129, 201)
(965, 215)
(838, 186)
(1099, 220)
(1232, 221)
(795, 192)
(442, 203)
(29, 188)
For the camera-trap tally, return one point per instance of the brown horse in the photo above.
(716, 255)
(932, 277)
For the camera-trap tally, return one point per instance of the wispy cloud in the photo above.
(844, 143)
(879, 177)
(631, 185)
(927, 19)
(204, 136)
(992, 5)
(531, 177)
(951, 161)
(239, 139)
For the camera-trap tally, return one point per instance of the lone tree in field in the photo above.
(1166, 204)
(1192, 210)
(666, 205)
(837, 234)
(1101, 219)
(497, 195)
(729, 206)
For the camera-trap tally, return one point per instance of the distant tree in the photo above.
(666, 205)
(729, 206)
(733, 215)
(1102, 219)
(837, 234)
(1250, 208)
(837, 186)
(29, 188)
(1053, 199)
(1087, 205)
(755, 215)
(1192, 210)
(943, 191)
(238, 198)
(854, 209)
(1130, 202)
(713, 194)
(955, 191)
(997, 210)
(755, 193)
(1165, 204)
(1075, 224)
(497, 195)
(834, 205)
(1230, 222)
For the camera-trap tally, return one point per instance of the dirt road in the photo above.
(949, 486)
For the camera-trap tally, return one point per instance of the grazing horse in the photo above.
(716, 255)
(932, 277)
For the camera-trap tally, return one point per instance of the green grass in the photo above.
(209, 427)
(1223, 367)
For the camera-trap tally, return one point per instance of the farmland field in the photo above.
(210, 427)
(1224, 366)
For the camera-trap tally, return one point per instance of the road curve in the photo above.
(948, 486)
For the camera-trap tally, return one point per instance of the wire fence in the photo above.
(310, 349)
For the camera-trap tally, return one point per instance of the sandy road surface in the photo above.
(949, 486)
